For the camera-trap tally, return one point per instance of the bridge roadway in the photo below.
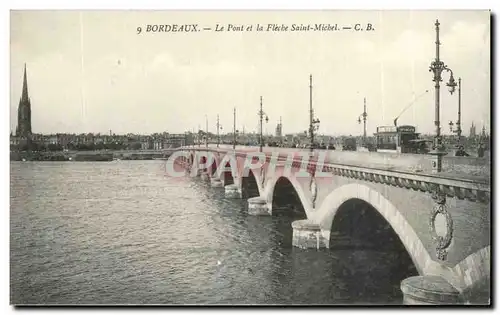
(452, 255)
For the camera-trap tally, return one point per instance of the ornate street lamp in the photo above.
(364, 115)
(199, 136)
(313, 122)
(437, 67)
(458, 129)
(219, 127)
(234, 129)
(262, 115)
(206, 132)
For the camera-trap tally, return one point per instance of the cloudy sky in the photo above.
(89, 71)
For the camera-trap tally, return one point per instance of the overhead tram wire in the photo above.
(407, 107)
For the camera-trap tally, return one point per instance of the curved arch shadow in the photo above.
(377, 258)
(202, 160)
(249, 186)
(227, 176)
(286, 201)
(286, 208)
(408, 237)
(304, 200)
(213, 167)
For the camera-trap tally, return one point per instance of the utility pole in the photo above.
(199, 140)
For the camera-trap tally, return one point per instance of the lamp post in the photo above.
(437, 67)
(219, 127)
(281, 131)
(364, 115)
(261, 116)
(458, 124)
(234, 128)
(206, 131)
(313, 122)
(199, 134)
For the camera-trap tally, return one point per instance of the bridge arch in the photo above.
(201, 160)
(214, 165)
(271, 185)
(227, 170)
(250, 185)
(226, 173)
(331, 204)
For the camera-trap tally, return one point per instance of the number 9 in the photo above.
(139, 30)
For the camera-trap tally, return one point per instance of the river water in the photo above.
(123, 233)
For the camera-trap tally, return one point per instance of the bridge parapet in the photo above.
(461, 186)
(465, 167)
(473, 190)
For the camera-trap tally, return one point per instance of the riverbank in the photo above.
(90, 156)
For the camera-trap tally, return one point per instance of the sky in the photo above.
(89, 71)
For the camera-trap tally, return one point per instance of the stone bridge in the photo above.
(441, 220)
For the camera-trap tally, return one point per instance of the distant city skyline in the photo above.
(90, 72)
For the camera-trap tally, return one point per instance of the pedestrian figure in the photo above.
(461, 152)
(480, 150)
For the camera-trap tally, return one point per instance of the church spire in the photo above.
(24, 96)
(24, 110)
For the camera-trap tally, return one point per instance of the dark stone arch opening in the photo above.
(249, 186)
(286, 208)
(228, 176)
(213, 168)
(203, 161)
(374, 257)
(286, 201)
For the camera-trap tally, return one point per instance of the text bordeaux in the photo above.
(186, 28)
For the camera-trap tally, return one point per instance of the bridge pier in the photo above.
(258, 206)
(204, 175)
(429, 290)
(232, 191)
(216, 182)
(307, 234)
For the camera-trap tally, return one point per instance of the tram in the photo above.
(349, 144)
(400, 139)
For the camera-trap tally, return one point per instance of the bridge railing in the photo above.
(454, 167)
(448, 184)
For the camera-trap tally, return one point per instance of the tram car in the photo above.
(400, 139)
(349, 144)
